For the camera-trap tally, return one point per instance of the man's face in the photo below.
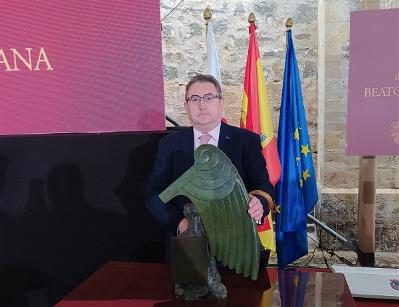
(204, 115)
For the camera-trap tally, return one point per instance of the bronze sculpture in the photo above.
(219, 194)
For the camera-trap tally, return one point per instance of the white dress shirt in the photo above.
(214, 133)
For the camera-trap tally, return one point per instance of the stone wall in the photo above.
(321, 38)
(184, 49)
(340, 172)
(339, 210)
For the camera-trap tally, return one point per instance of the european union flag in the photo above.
(297, 188)
(292, 286)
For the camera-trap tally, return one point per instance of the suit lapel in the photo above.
(225, 139)
(187, 146)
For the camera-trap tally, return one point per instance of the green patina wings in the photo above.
(217, 190)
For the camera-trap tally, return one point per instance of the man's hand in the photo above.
(255, 208)
(183, 226)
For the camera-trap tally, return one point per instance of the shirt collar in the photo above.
(214, 133)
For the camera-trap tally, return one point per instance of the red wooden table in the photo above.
(147, 284)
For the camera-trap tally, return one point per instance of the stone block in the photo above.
(337, 31)
(387, 230)
(335, 104)
(333, 156)
(309, 69)
(305, 13)
(388, 162)
(336, 89)
(387, 178)
(333, 51)
(334, 127)
(174, 96)
(333, 70)
(265, 9)
(170, 72)
(339, 212)
(337, 11)
(331, 141)
(303, 36)
(239, 9)
(352, 162)
(309, 92)
(335, 116)
(277, 71)
(352, 177)
(332, 178)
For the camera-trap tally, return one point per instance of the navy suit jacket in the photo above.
(175, 156)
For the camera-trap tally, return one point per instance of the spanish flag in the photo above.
(256, 116)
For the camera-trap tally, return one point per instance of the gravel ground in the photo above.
(322, 259)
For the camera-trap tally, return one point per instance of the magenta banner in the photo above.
(373, 97)
(80, 66)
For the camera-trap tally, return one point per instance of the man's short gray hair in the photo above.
(204, 78)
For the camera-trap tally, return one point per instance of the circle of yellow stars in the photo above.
(305, 151)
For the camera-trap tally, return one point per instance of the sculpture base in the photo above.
(199, 293)
(215, 290)
(194, 271)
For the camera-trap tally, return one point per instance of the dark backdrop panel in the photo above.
(69, 203)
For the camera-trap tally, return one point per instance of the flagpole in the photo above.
(256, 117)
(207, 16)
(353, 246)
(212, 56)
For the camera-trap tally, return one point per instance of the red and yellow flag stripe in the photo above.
(256, 116)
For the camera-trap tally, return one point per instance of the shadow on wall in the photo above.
(53, 234)
(46, 252)
(137, 173)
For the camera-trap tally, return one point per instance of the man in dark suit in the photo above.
(204, 107)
